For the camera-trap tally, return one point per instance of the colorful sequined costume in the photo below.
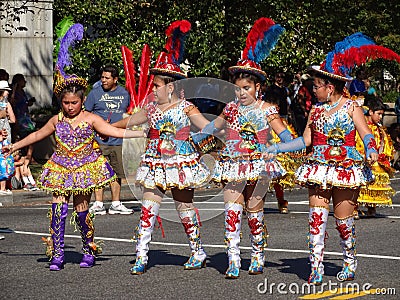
(241, 159)
(77, 166)
(290, 161)
(335, 161)
(170, 160)
(379, 192)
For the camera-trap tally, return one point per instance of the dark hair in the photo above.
(4, 75)
(74, 89)
(271, 97)
(242, 75)
(178, 87)
(338, 84)
(17, 78)
(375, 103)
(110, 69)
(165, 78)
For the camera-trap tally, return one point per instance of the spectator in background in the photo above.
(6, 112)
(21, 103)
(23, 175)
(370, 89)
(297, 83)
(302, 104)
(357, 85)
(378, 193)
(110, 102)
(6, 164)
(281, 93)
(4, 75)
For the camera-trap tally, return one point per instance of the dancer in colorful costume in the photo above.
(335, 169)
(77, 167)
(240, 165)
(379, 192)
(290, 161)
(170, 162)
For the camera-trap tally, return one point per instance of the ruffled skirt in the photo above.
(242, 169)
(327, 175)
(177, 171)
(60, 180)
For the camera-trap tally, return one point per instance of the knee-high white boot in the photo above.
(233, 225)
(318, 217)
(258, 237)
(347, 231)
(191, 222)
(143, 232)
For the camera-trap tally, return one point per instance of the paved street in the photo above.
(25, 274)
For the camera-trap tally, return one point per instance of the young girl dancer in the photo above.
(77, 167)
(240, 165)
(170, 162)
(335, 168)
(380, 192)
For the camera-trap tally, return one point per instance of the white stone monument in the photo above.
(29, 52)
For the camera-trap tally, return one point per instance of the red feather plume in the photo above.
(176, 34)
(256, 33)
(144, 75)
(130, 74)
(358, 56)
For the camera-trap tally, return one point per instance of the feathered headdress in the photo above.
(138, 98)
(168, 62)
(354, 50)
(260, 41)
(61, 78)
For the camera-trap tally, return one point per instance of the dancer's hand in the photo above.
(373, 157)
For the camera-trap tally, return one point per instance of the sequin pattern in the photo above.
(335, 160)
(77, 165)
(170, 160)
(241, 159)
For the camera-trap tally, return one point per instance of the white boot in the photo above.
(233, 225)
(318, 218)
(258, 237)
(347, 231)
(148, 216)
(191, 222)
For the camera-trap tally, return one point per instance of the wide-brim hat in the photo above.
(250, 67)
(166, 66)
(320, 70)
(4, 85)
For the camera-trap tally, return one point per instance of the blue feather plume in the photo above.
(265, 45)
(356, 40)
(261, 39)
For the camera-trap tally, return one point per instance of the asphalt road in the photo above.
(24, 271)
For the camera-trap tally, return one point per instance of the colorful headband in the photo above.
(168, 62)
(69, 36)
(354, 50)
(260, 41)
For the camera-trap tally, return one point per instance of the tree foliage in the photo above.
(220, 27)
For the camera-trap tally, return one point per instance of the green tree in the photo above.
(220, 27)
